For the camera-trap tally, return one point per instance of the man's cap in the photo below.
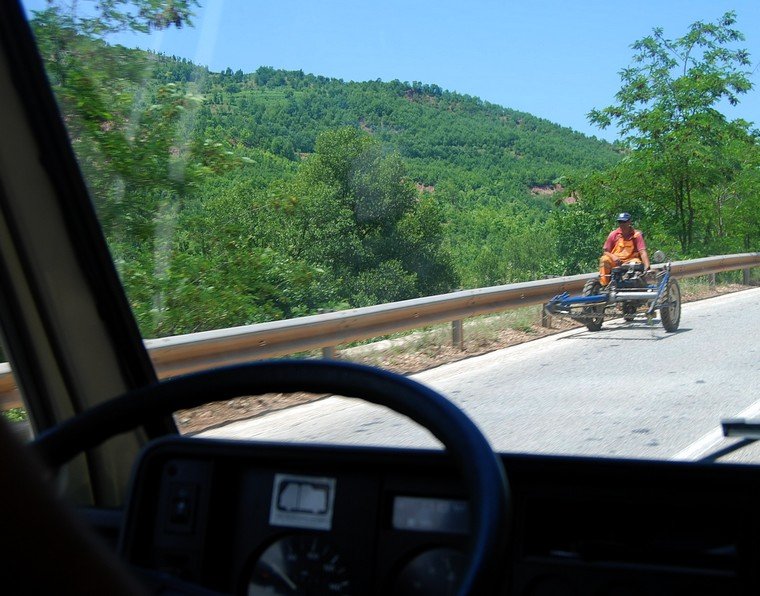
(624, 217)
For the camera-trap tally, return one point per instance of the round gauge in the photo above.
(299, 564)
(435, 571)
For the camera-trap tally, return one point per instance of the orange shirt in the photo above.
(633, 244)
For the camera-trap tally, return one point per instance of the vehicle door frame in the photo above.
(69, 333)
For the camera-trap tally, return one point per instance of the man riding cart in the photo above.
(623, 245)
(623, 286)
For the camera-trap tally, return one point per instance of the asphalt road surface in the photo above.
(629, 390)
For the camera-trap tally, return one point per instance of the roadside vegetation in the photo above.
(231, 198)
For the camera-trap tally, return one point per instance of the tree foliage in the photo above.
(667, 109)
(101, 17)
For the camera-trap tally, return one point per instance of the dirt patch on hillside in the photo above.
(405, 357)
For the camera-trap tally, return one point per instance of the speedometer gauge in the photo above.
(438, 571)
(299, 564)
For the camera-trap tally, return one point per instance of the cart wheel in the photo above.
(594, 323)
(629, 311)
(670, 309)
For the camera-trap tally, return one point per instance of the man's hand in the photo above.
(645, 260)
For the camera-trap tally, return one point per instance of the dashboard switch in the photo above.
(182, 506)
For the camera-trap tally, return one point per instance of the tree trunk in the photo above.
(690, 220)
(680, 214)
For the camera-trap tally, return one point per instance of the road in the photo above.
(626, 391)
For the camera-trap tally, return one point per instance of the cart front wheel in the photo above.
(593, 316)
(670, 307)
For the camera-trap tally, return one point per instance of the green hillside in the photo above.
(442, 136)
(495, 173)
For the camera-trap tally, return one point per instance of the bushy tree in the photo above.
(667, 111)
(354, 212)
(580, 233)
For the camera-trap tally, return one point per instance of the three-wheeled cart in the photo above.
(631, 293)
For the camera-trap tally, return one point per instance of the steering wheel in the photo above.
(481, 469)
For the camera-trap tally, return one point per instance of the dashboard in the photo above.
(253, 518)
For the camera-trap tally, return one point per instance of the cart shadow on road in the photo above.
(623, 332)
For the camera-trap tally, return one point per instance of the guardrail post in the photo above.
(746, 276)
(711, 280)
(546, 318)
(457, 334)
(329, 353)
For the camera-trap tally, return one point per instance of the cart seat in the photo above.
(629, 267)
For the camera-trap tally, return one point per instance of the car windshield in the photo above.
(470, 193)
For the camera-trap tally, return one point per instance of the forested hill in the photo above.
(442, 136)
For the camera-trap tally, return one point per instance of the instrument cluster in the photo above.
(240, 519)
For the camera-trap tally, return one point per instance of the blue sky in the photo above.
(554, 59)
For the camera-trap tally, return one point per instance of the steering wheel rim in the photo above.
(481, 469)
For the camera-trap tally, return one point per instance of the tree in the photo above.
(101, 17)
(580, 235)
(735, 222)
(353, 212)
(667, 111)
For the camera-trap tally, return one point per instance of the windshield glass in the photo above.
(409, 184)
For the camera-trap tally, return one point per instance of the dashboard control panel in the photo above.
(253, 518)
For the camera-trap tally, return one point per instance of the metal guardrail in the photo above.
(186, 353)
